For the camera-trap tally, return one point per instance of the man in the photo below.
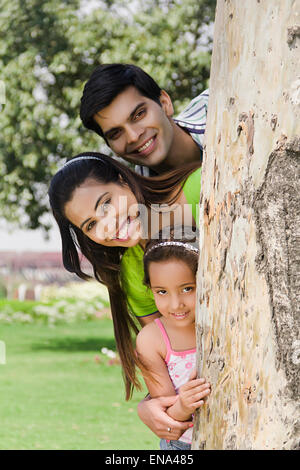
(125, 106)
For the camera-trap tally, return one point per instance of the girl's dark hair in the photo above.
(185, 249)
(106, 260)
(106, 82)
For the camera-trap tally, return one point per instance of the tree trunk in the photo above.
(247, 320)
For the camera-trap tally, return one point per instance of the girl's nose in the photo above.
(175, 302)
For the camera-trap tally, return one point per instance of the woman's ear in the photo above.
(121, 181)
(166, 103)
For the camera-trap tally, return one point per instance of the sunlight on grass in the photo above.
(58, 391)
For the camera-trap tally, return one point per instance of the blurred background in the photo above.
(48, 50)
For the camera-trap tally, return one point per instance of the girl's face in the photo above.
(174, 288)
(106, 213)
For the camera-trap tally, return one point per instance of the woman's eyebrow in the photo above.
(95, 208)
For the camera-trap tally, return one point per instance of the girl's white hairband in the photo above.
(186, 246)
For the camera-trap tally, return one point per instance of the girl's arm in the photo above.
(191, 397)
(153, 411)
(151, 352)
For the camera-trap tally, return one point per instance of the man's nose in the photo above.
(133, 133)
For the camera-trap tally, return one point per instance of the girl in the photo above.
(167, 346)
(87, 199)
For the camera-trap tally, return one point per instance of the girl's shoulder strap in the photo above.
(165, 337)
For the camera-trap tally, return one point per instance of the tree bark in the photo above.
(248, 278)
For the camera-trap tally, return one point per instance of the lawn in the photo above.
(58, 391)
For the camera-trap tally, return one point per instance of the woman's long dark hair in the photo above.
(105, 260)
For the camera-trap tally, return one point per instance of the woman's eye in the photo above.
(106, 204)
(103, 208)
(90, 226)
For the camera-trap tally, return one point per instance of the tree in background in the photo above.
(248, 277)
(48, 50)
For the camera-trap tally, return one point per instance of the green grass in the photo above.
(55, 395)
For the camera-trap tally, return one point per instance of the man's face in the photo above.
(137, 128)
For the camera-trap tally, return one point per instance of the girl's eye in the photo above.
(161, 292)
(188, 289)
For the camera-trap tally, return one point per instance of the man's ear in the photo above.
(166, 103)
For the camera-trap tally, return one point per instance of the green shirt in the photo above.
(140, 299)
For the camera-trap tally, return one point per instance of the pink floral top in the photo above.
(180, 365)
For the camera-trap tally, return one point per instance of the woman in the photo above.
(108, 212)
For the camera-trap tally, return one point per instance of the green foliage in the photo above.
(50, 313)
(3, 291)
(67, 304)
(47, 52)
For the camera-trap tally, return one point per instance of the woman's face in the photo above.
(106, 213)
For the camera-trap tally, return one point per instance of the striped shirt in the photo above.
(193, 120)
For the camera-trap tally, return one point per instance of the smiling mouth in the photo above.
(180, 315)
(122, 234)
(146, 148)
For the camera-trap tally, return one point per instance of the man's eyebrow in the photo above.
(136, 108)
(95, 208)
(131, 115)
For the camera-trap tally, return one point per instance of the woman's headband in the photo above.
(186, 246)
(77, 159)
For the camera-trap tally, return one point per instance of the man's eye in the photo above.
(140, 113)
(114, 135)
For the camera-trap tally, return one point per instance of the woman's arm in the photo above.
(152, 411)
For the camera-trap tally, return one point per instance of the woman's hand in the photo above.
(152, 411)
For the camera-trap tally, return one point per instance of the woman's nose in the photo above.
(107, 224)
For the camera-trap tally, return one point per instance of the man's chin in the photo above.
(151, 161)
